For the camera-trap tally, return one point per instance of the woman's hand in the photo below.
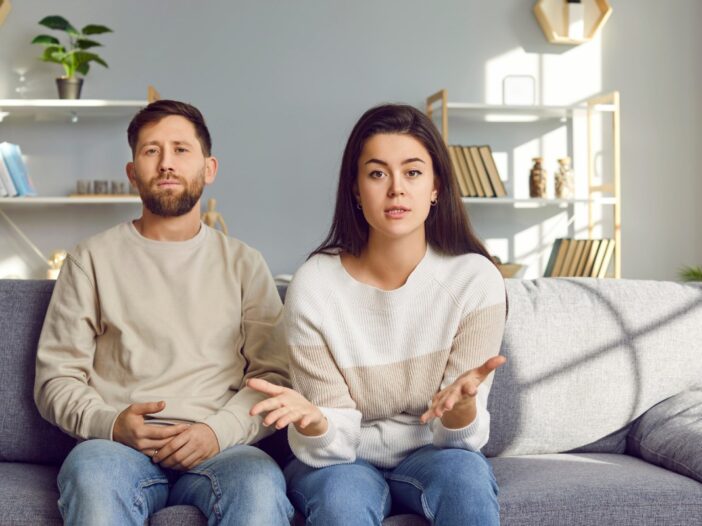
(286, 406)
(455, 404)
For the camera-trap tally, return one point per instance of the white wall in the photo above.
(281, 84)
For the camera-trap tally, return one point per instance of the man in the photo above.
(153, 329)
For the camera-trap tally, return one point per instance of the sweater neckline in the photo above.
(419, 275)
(187, 244)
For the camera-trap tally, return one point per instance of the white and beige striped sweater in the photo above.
(371, 359)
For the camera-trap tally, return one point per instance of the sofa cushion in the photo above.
(28, 494)
(586, 357)
(24, 435)
(587, 489)
(670, 434)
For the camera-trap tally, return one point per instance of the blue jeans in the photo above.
(447, 486)
(104, 482)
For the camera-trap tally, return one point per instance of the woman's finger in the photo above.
(264, 386)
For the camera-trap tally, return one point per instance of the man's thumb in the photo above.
(147, 408)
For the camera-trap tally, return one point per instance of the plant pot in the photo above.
(69, 87)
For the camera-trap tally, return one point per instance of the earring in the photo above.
(358, 205)
(434, 201)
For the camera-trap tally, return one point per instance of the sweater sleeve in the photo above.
(478, 337)
(65, 358)
(316, 376)
(264, 354)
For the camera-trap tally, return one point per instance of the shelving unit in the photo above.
(598, 195)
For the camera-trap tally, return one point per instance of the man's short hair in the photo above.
(159, 109)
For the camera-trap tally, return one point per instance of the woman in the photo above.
(394, 324)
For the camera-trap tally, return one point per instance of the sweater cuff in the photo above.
(102, 423)
(227, 428)
(469, 436)
(312, 442)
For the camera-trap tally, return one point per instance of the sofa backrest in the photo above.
(586, 357)
(24, 435)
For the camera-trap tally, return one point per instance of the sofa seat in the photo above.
(28, 493)
(587, 489)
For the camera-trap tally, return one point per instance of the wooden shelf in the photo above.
(550, 15)
(67, 110)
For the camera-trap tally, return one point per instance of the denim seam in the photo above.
(212, 477)
(304, 500)
(139, 497)
(414, 482)
(382, 503)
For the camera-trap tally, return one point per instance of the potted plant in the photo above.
(74, 56)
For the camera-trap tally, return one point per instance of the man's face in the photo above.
(169, 167)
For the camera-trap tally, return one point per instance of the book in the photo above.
(482, 174)
(491, 168)
(568, 258)
(583, 259)
(560, 258)
(599, 258)
(456, 171)
(552, 258)
(587, 270)
(12, 155)
(575, 260)
(606, 259)
(465, 172)
(7, 183)
(472, 171)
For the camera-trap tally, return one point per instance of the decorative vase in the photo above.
(537, 179)
(563, 179)
(69, 87)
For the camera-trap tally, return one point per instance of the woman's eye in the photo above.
(376, 174)
(414, 173)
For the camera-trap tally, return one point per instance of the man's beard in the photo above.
(171, 203)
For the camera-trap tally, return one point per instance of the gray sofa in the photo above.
(596, 418)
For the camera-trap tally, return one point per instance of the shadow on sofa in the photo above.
(601, 374)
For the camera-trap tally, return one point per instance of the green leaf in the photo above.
(94, 29)
(46, 40)
(59, 23)
(85, 43)
(83, 68)
(54, 54)
(83, 57)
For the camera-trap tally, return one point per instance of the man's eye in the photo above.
(150, 151)
(181, 150)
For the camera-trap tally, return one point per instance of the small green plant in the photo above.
(691, 273)
(73, 57)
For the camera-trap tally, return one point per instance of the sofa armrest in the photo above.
(670, 434)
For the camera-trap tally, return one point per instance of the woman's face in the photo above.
(395, 185)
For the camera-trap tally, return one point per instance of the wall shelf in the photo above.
(67, 110)
(91, 200)
(551, 18)
(532, 202)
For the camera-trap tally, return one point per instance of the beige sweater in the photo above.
(373, 359)
(137, 320)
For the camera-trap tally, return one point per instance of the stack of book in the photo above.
(14, 179)
(476, 171)
(580, 258)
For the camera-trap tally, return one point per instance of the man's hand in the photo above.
(455, 404)
(131, 430)
(287, 406)
(190, 448)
